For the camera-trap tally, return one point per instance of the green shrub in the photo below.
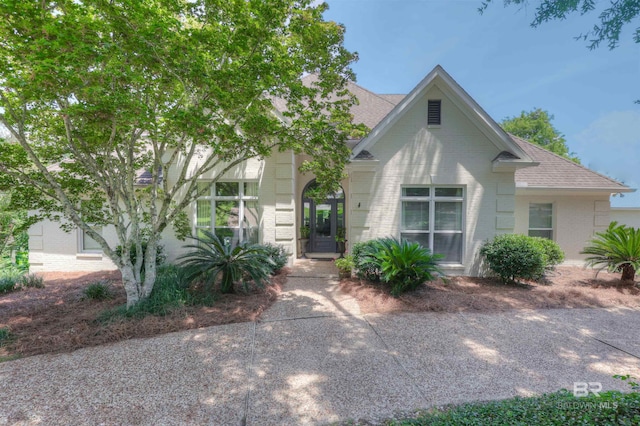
(22, 259)
(365, 268)
(558, 408)
(278, 254)
(553, 254)
(99, 290)
(211, 261)
(616, 249)
(515, 256)
(32, 281)
(345, 263)
(403, 265)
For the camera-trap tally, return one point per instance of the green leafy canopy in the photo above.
(535, 126)
(94, 92)
(612, 19)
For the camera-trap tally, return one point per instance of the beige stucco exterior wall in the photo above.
(575, 219)
(629, 216)
(455, 153)
(52, 249)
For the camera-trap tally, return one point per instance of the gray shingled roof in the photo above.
(394, 99)
(556, 172)
(372, 108)
(552, 172)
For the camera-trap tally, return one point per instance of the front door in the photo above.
(323, 227)
(324, 220)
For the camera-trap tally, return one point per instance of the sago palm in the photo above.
(211, 260)
(403, 265)
(616, 249)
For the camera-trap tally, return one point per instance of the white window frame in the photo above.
(241, 198)
(551, 229)
(432, 199)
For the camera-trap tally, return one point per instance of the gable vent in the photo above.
(433, 112)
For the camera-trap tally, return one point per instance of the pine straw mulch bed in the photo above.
(567, 287)
(58, 318)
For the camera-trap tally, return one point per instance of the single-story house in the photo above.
(435, 168)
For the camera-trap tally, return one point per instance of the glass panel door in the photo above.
(324, 220)
(323, 227)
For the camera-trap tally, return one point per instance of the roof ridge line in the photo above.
(377, 95)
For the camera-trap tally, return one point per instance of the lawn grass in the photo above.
(558, 408)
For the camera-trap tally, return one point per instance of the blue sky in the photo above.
(508, 67)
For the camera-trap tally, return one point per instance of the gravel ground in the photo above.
(324, 363)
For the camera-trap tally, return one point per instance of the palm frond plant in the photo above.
(617, 249)
(211, 261)
(404, 265)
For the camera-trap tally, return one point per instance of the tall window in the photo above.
(231, 210)
(541, 220)
(432, 216)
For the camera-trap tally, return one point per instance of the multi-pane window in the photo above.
(230, 210)
(433, 217)
(541, 220)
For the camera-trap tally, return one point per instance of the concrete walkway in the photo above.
(314, 359)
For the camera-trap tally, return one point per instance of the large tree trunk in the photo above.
(131, 285)
(140, 289)
(150, 269)
(628, 273)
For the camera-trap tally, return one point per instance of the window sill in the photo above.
(449, 268)
(434, 126)
(89, 256)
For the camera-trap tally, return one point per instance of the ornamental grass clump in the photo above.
(98, 290)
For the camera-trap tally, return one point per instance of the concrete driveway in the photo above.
(314, 359)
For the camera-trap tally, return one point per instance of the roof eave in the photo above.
(512, 165)
(363, 164)
(522, 187)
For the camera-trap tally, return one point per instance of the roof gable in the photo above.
(438, 76)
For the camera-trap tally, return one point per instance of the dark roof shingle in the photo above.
(557, 172)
